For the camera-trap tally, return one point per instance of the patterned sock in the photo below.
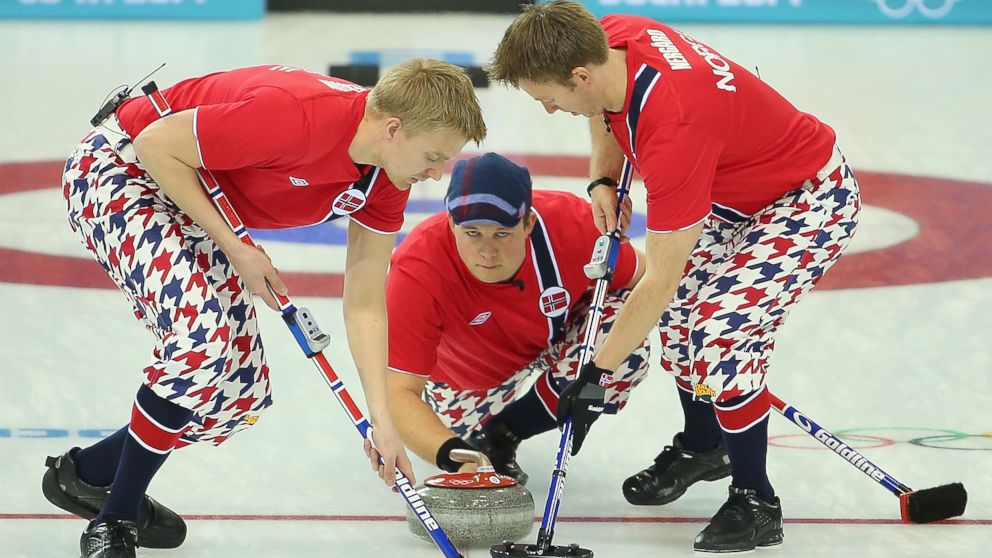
(701, 432)
(744, 421)
(97, 464)
(526, 417)
(156, 425)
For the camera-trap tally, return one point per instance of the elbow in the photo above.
(363, 299)
(659, 280)
(148, 141)
(144, 146)
(360, 310)
(158, 144)
(401, 395)
(393, 384)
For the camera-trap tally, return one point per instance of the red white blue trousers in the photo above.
(208, 354)
(743, 278)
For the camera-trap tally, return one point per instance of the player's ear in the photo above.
(581, 74)
(529, 221)
(393, 127)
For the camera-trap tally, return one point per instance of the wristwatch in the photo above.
(601, 180)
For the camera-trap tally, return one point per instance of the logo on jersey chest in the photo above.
(298, 181)
(482, 318)
(348, 202)
(554, 301)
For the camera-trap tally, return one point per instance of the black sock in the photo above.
(156, 425)
(526, 417)
(701, 432)
(97, 464)
(748, 451)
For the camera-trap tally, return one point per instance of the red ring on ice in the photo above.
(882, 441)
(951, 244)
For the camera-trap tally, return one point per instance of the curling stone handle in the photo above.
(471, 456)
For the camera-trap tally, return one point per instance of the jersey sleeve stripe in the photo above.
(685, 228)
(196, 137)
(407, 372)
(373, 229)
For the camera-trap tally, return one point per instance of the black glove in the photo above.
(443, 459)
(583, 399)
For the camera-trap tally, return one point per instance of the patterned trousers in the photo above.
(743, 278)
(208, 354)
(463, 411)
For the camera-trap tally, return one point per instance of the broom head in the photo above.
(933, 504)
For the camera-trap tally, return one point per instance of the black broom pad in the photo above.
(510, 550)
(935, 504)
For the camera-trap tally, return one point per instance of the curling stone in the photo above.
(475, 509)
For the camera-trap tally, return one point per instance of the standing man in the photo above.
(289, 148)
(749, 202)
(486, 297)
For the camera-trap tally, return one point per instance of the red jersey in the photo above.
(276, 139)
(707, 134)
(447, 325)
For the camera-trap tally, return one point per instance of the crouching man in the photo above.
(487, 306)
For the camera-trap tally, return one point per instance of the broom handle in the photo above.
(547, 531)
(825, 437)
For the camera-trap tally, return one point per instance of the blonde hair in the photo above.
(546, 42)
(430, 95)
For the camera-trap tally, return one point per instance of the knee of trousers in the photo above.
(718, 373)
(562, 360)
(626, 377)
(463, 411)
(192, 373)
(562, 367)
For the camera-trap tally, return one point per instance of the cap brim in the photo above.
(468, 222)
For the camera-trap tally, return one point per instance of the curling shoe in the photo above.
(500, 446)
(674, 471)
(113, 538)
(741, 524)
(158, 526)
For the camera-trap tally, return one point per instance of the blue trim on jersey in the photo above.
(642, 84)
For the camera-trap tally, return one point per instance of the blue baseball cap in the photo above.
(488, 190)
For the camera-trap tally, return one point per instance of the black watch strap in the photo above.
(601, 180)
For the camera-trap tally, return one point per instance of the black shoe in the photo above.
(500, 446)
(674, 471)
(114, 538)
(158, 526)
(742, 523)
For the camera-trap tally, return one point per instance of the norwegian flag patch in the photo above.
(348, 202)
(554, 301)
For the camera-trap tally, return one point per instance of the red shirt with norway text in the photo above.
(276, 139)
(710, 132)
(438, 325)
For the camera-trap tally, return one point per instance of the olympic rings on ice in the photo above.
(880, 437)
